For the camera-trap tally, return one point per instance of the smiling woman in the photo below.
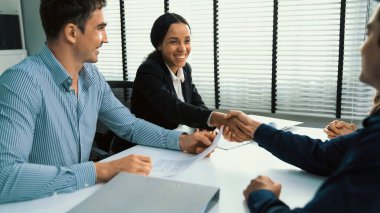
(163, 90)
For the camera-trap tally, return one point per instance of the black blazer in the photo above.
(155, 100)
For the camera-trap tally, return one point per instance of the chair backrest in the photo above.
(123, 91)
(105, 139)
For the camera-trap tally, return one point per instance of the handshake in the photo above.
(238, 126)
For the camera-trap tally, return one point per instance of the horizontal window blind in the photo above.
(199, 14)
(139, 18)
(356, 96)
(245, 54)
(307, 60)
(110, 62)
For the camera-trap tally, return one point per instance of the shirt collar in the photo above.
(59, 74)
(179, 75)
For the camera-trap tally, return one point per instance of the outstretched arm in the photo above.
(312, 155)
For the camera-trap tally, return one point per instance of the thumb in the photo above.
(232, 113)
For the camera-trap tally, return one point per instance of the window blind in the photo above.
(245, 54)
(356, 96)
(307, 53)
(307, 61)
(199, 14)
(110, 59)
(139, 18)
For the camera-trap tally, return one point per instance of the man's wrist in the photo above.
(182, 142)
(100, 172)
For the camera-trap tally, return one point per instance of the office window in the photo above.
(110, 61)
(139, 18)
(307, 60)
(245, 54)
(199, 14)
(292, 70)
(356, 97)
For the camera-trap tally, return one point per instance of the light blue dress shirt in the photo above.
(46, 131)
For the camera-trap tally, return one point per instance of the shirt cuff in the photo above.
(172, 140)
(209, 120)
(85, 174)
(261, 200)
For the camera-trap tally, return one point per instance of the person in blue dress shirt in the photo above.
(351, 162)
(49, 105)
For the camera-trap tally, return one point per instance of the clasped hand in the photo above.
(337, 128)
(260, 183)
(239, 126)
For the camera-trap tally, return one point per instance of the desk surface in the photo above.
(231, 170)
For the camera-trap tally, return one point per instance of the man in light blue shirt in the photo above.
(49, 105)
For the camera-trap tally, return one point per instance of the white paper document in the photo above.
(169, 162)
(275, 122)
(168, 167)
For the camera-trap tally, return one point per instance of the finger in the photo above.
(235, 128)
(210, 135)
(245, 129)
(199, 149)
(238, 114)
(239, 137)
(333, 128)
(202, 140)
(269, 180)
(231, 113)
(144, 158)
(209, 154)
(341, 124)
(226, 129)
(142, 173)
(328, 132)
(353, 126)
(227, 134)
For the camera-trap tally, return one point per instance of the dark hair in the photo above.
(55, 14)
(376, 103)
(161, 27)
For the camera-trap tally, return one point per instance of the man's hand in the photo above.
(262, 182)
(197, 142)
(337, 128)
(137, 164)
(240, 127)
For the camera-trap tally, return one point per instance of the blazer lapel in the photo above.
(169, 81)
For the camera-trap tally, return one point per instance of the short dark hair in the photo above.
(57, 13)
(160, 28)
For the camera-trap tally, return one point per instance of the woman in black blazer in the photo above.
(163, 91)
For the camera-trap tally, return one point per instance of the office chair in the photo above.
(106, 142)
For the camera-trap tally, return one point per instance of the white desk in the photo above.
(230, 170)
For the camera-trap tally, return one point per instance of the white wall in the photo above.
(34, 34)
(11, 57)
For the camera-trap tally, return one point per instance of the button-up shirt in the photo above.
(46, 131)
(178, 79)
